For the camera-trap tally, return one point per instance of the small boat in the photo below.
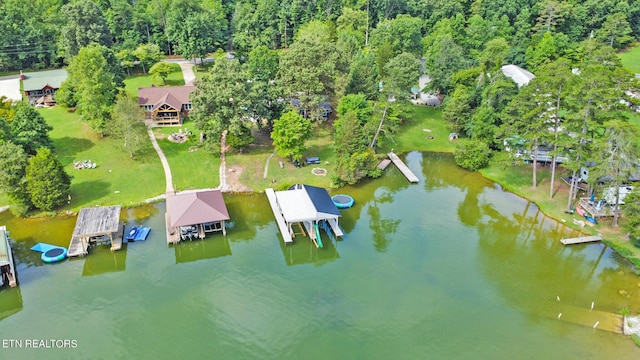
(142, 234)
(580, 211)
(132, 234)
(591, 219)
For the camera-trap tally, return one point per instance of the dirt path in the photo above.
(266, 166)
(229, 178)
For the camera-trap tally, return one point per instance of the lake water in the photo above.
(450, 268)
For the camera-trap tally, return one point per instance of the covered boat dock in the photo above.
(193, 214)
(96, 225)
(307, 205)
(7, 266)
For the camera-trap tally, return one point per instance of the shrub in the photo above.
(472, 154)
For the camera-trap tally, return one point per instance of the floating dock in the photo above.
(277, 212)
(404, 169)
(383, 164)
(581, 239)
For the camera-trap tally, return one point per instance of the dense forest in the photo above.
(361, 58)
(45, 33)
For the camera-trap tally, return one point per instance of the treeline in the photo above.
(46, 33)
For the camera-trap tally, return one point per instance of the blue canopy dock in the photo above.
(307, 205)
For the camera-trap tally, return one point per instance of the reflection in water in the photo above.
(101, 260)
(472, 269)
(304, 251)
(212, 246)
(10, 301)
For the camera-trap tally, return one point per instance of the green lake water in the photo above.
(450, 268)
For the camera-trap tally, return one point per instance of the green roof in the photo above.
(38, 80)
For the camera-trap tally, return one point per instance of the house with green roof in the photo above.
(40, 87)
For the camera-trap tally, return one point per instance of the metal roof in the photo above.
(307, 203)
(519, 75)
(38, 80)
(196, 207)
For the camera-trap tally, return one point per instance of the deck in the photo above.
(581, 240)
(78, 247)
(404, 169)
(173, 234)
(591, 209)
(282, 225)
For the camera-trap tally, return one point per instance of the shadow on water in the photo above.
(211, 247)
(10, 302)
(101, 260)
(246, 223)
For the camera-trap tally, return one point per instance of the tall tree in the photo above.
(615, 31)
(290, 134)
(221, 103)
(309, 71)
(364, 77)
(29, 129)
(47, 182)
(127, 124)
(96, 77)
(404, 33)
(13, 163)
(618, 153)
(551, 15)
(147, 54)
(161, 70)
(403, 72)
(83, 24)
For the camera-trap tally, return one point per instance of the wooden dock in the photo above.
(404, 169)
(78, 247)
(383, 164)
(282, 225)
(594, 211)
(581, 239)
(116, 241)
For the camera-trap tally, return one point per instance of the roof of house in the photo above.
(174, 96)
(306, 203)
(196, 207)
(38, 80)
(519, 75)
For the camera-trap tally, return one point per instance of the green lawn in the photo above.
(631, 59)
(423, 129)
(117, 179)
(192, 166)
(252, 162)
(132, 83)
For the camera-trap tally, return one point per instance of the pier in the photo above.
(404, 169)
(277, 212)
(581, 239)
(96, 224)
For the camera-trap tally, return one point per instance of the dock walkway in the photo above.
(581, 240)
(404, 169)
(284, 230)
(77, 247)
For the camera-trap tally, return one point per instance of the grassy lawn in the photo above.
(414, 133)
(139, 80)
(192, 166)
(252, 162)
(631, 59)
(117, 179)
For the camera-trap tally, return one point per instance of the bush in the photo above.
(472, 154)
